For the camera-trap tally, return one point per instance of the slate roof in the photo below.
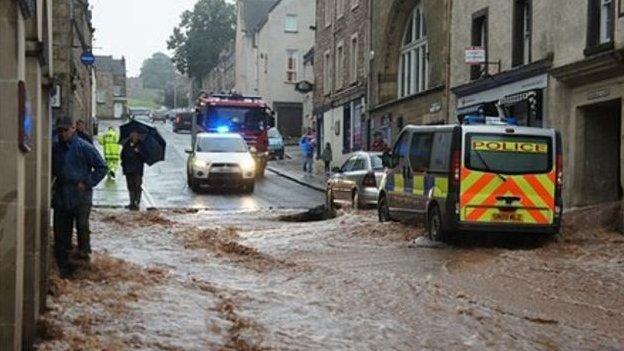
(256, 12)
(109, 64)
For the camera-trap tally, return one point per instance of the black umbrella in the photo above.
(154, 145)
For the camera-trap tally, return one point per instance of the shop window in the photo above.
(522, 32)
(420, 152)
(480, 38)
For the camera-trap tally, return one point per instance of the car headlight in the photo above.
(248, 165)
(201, 164)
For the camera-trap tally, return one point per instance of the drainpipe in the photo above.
(449, 19)
(369, 66)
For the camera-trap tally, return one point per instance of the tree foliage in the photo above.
(157, 71)
(201, 36)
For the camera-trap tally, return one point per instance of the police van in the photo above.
(486, 175)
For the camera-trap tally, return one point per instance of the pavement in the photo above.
(165, 185)
(291, 167)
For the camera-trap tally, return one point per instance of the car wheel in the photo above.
(192, 183)
(434, 225)
(383, 210)
(329, 199)
(249, 188)
(355, 200)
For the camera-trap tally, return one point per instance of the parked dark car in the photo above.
(183, 121)
(159, 116)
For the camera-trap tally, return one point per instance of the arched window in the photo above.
(413, 72)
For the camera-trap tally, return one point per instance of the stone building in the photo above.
(283, 38)
(250, 15)
(561, 66)
(111, 93)
(73, 35)
(26, 76)
(341, 75)
(409, 64)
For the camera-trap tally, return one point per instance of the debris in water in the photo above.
(320, 213)
(425, 242)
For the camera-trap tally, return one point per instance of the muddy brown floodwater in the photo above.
(246, 281)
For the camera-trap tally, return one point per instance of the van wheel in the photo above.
(434, 225)
(383, 210)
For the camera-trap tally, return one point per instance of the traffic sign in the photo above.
(87, 58)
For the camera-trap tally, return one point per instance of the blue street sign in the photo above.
(87, 58)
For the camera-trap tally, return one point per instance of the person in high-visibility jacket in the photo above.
(112, 150)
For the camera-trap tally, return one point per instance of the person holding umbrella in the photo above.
(132, 163)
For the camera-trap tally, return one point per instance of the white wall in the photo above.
(274, 41)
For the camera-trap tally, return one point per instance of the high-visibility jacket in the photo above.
(110, 144)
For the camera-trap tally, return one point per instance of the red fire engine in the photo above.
(248, 116)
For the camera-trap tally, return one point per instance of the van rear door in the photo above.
(508, 179)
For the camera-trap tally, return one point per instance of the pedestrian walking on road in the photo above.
(327, 158)
(133, 164)
(307, 145)
(77, 168)
(112, 150)
(82, 131)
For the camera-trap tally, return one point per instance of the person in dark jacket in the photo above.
(133, 164)
(77, 168)
(81, 130)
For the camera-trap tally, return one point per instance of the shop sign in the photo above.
(516, 98)
(495, 94)
(304, 87)
(435, 107)
(599, 94)
(475, 55)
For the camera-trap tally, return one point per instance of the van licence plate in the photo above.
(507, 217)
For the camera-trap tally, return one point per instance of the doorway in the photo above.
(600, 181)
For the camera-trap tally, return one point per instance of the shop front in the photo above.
(523, 99)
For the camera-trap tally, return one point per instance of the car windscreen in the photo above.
(377, 163)
(509, 154)
(235, 119)
(221, 145)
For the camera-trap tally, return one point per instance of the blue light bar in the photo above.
(223, 129)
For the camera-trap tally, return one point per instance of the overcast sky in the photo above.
(135, 28)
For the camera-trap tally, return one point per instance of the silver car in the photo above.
(356, 182)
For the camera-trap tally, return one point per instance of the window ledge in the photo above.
(596, 49)
(291, 31)
(353, 8)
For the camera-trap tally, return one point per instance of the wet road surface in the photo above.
(165, 185)
(242, 280)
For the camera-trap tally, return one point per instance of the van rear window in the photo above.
(509, 154)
